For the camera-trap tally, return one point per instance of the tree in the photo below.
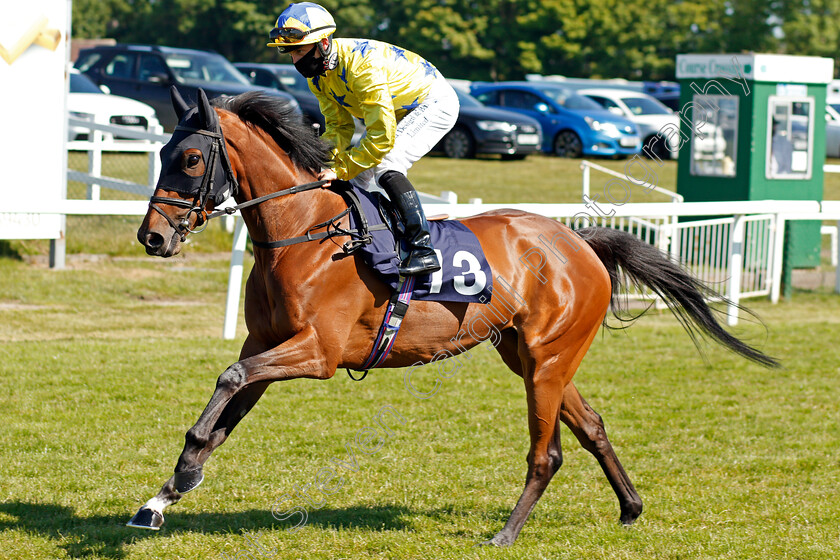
(811, 27)
(493, 39)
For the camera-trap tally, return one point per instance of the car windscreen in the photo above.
(79, 83)
(467, 100)
(198, 67)
(292, 80)
(645, 106)
(571, 100)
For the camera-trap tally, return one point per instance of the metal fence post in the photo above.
(736, 259)
(95, 161)
(154, 156)
(237, 256)
(584, 165)
(778, 257)
(837, 260)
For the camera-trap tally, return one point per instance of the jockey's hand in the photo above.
(327, 175)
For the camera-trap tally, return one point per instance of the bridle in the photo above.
(208, 188)
(218, 151)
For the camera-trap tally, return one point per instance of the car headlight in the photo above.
(607, 128)
(496, 125)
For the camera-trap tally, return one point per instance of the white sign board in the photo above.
(33, 117)
(756, 67)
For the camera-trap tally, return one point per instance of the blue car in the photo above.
(572, 125)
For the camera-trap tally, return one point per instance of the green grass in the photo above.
(105, 365)
(535, 179)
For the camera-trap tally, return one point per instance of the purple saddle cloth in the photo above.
(465, 275)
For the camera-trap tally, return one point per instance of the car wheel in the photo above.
(568, 144)
(657, 146)
(459, 144)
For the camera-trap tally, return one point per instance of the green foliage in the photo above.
(812, 27)
(494, 39)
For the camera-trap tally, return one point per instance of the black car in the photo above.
(284, 77)
(145, 73)
(484, 130)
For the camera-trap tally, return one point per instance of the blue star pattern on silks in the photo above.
(429, 68)
(340, 99)
(316, 81)
(363, 47)
(412, 105)
(399, 52)
(343, 77)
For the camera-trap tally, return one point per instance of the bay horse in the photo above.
(311, 309)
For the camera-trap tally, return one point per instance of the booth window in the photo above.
(714, 135)
(790, 137)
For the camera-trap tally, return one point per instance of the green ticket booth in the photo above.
(753, 128)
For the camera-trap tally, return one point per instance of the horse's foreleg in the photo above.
(588, 427)
(237, 391)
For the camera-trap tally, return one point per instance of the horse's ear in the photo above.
(206, 112)
(178, 102)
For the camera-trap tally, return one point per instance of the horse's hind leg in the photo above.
(588, 427)
(544, 456)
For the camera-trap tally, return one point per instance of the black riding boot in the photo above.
(421, 258)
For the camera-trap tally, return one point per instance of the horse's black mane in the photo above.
(286, 127)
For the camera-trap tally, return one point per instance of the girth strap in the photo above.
(394, 315)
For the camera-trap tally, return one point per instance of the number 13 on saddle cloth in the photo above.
(465, 275)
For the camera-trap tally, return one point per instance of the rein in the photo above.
(296, 189)
(359, 237)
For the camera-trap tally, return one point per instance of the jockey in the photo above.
(404, 102)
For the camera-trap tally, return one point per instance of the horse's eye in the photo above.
(192, 163)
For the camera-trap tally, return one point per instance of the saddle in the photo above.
(377, 233)
(465, 275)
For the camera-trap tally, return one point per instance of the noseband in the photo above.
(208, 187)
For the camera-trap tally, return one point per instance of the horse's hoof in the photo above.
(186, 481)
(146, 519)
(627, 522)
(630, 514)
(497, 541)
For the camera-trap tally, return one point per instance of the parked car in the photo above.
(667, 93)
(145, 73)
(284, 77)
(87, 101)
(649, 115)
(833, 102)
(484, 130)
(832, 132)
(572, 125)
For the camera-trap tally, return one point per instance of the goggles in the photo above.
(291, 36)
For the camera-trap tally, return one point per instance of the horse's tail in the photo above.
(646, 265)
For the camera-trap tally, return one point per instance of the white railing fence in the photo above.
(738, 253)
(104, 137)
(752, 230)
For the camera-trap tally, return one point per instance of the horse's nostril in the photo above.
(154, 240)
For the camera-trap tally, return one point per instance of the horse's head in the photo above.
(195, 177)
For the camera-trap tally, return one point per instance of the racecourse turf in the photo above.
(105, 365)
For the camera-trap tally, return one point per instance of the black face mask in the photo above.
(309, 66)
